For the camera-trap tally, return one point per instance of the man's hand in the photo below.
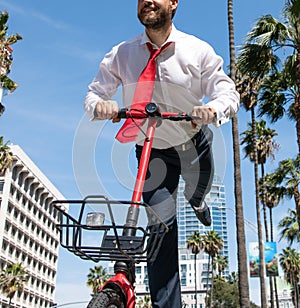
(106, 110)
(205, 113)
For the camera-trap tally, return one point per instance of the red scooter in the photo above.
(97, 237)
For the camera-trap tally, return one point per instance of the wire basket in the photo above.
(91, 230)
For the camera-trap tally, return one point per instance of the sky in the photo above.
(63, 44)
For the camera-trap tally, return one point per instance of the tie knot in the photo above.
(155, 52)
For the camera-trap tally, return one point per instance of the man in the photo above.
(187, 70)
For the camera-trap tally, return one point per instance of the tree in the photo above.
(96, 278)
(290, 262)
(224, 294)
(290, 228)
(193, 243)
(6, 56)
(258, 217)
(220, 262)
(258, 152)
(266, 146)
(6, 156)
(212, 244)
(287, 178)
(144, 302)
(271, 196)
(12, 279)
(240, 228)
(280, 92)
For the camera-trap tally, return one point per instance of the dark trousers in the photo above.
(194, 162)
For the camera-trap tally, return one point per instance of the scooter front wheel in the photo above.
(107, 298)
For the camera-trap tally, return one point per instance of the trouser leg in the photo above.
(160, 193)
(198, 168)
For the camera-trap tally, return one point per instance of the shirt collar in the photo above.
(174, 35)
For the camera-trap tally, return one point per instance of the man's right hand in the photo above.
(106, 110)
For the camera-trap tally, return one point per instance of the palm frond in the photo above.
(269, 32)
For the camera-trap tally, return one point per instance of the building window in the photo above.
(138, 269)
(1, 186)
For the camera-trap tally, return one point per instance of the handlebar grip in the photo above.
(122, 114)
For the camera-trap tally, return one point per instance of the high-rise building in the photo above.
(28, 233)
(188, 223)
(191, 271)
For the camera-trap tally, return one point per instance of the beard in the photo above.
(155, 22)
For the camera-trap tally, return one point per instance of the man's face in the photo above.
(154, 14)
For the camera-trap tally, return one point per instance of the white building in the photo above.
(28, 231)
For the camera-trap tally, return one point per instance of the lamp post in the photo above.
(250, 224)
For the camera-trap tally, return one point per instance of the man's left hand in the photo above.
(206, 114)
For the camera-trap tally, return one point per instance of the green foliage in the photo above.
(6, 156)
(265, 144)
(12, 279)
(5, 52)
(224, 294)
(289, 228)
(144, 302)
(96, 278)
(289, 260)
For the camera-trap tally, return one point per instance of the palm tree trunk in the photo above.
(266, 227)
(212, 283)
(240, 227)
(208, 274)
(196, 300)
(272, 239)
(259, 226)
(296, 103)
(297, 203)
(296, 292)
(262, 168)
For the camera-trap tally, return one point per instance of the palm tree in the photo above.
(96, 278)
(5, 56)
(6, 157)
(290, 262)
(240, 228)
(220, 263)
(271, 196)
(211, 243)
(254, 147)
(266, 147)
(193, 243)
(282, 88)
(233, 278)
(144, 302)
(290, 228)
(287, 178)
(12, 279)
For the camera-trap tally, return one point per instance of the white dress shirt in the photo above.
(187, 72)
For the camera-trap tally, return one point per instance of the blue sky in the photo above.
(63, 43)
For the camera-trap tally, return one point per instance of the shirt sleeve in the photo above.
(219, 88)
(104, 85)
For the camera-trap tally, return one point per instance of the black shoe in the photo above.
(203, 214)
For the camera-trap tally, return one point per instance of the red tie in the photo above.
(142, 96)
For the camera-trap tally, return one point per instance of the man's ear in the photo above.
(174, 2)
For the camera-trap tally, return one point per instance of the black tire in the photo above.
(107, 298)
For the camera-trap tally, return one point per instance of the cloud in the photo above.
(35, 14)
